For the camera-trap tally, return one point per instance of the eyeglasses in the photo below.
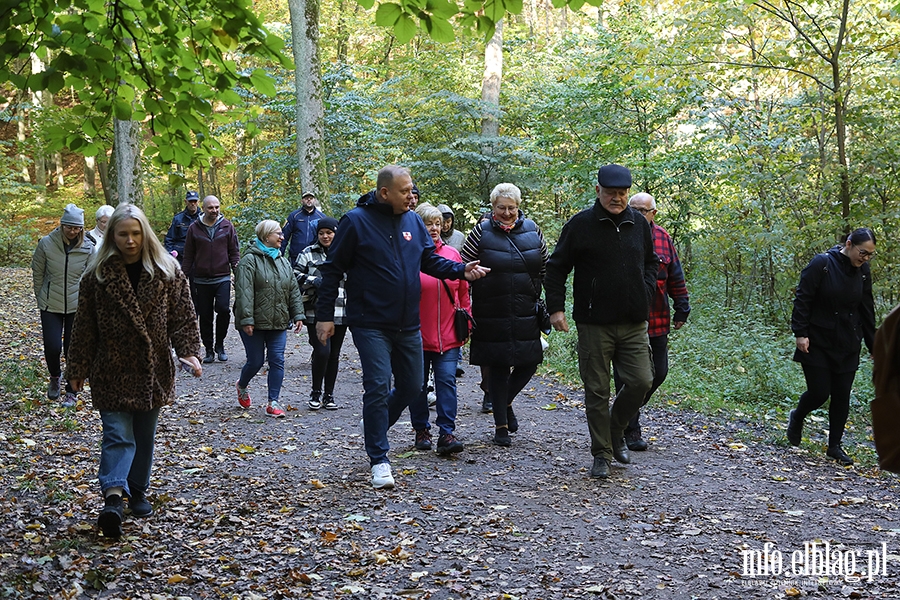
(73, 227)
(864, 253)
(644, 211)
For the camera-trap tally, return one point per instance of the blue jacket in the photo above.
(382, 254)
(177, 233)
(300, 231)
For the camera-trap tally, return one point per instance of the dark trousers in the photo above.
(56, 329)
(325, 358)
(504, 384)
(822, 382)
(659, 346)
(213, 298)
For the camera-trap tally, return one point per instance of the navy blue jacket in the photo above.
(382, 254)
(300, 231)
(177, 233)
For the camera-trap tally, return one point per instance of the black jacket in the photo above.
(834, 308)
(503, 303)
(382, 254)
(615, 267)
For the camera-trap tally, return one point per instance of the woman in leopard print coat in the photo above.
(134, 306)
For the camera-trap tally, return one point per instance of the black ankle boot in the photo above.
(794, 429)
(111, 517)
(838, 454)
(139, 505)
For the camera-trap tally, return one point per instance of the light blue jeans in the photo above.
(383, 353)
(126, 451)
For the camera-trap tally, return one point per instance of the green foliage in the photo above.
(165, 63)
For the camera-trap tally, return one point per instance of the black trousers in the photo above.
(660, 351)
(821, 383)
(56, 329)
(325, 358)
(504, 384)
(211, 299)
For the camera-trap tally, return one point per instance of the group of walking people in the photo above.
(119, 305)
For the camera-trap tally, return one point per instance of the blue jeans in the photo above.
(126, 452)
(263, 344)
(383, 353)
(444, 366)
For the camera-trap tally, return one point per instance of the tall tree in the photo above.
(308, 87)
(490, 98)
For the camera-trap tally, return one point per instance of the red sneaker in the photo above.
(243, 395)
(274, 410)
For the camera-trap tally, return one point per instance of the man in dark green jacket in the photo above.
(610, 247)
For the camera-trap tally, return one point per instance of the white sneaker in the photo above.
(381, 476)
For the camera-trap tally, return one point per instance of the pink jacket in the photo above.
(435, 309)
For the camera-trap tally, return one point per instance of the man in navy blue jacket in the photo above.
(300, 228)
(382, 246)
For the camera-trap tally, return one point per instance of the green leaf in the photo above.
(122, 110)
(405, 29)
(264, 84)
(388, 14)
(439, 29)
(445, 9)
(515, 6)
(366, 4)
(496, 10)
(55, 81)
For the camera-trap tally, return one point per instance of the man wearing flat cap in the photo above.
(610, 247)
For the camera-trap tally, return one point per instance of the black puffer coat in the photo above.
(503, 303)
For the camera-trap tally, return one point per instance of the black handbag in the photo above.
(463, 323)
(540, 307)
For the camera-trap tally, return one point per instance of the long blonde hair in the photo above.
(152, 252)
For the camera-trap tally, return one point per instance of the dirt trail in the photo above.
(252, 507)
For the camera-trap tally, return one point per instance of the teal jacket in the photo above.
(266, 295)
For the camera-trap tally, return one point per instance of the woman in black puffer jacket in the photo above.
(507, 338)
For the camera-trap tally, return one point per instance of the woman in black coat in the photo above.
(834, 311)
(507, 338)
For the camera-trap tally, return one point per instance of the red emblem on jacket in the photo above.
(407, 236)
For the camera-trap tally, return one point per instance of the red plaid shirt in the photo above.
(669, 283)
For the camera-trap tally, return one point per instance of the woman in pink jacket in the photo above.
(440, 347)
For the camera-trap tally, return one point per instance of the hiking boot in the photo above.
(838, 454)
(209, 358)
(512, 423)
(111, 517)
(70, 400)
(328, 402)
(221, 354)
(794, 429)
(634, 441)
(448, 444)
(53, 388)
(243, 394)
(501, 437)
(600, 469)
(459, 372)
(274, 410)
(139, 505)
(381, 476)
(314, 400)
(486, 405)
(423, 439)
(620, 450)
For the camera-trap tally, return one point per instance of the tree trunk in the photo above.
(58, 167)
(108, 186)
(840, 124)
(21, 136)
(127, 149)
(40, 164)
(240, 172)
(490, 98)
(308, 86)
(90, 176)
